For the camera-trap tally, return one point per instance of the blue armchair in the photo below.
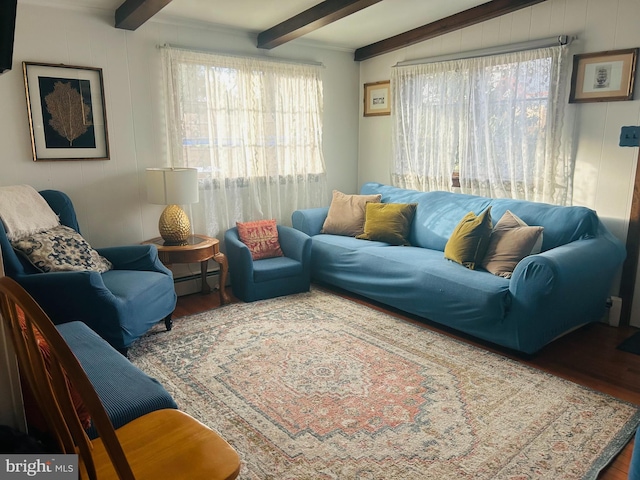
(120, 305)
(253, 280)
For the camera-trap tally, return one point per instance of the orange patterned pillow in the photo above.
(261, 237)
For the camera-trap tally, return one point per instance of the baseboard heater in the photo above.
(196, 276)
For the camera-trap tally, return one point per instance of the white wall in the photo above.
(604, 172)
(110, 196)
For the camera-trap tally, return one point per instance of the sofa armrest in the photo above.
(294, 243)
(309, 220)
(576, 269)
(134, 257)
(568, 281)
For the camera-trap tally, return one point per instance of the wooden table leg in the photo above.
(221, 259)
(203, 276)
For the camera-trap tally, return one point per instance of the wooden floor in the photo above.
(587, 356)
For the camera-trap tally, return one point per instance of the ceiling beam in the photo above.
(318, 16)
(133, 13)
(466, 18)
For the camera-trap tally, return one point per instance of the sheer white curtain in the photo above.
(253, 128)
(502, 122)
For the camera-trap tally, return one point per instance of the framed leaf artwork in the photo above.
(66, 108)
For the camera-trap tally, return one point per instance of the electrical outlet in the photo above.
(630, 136)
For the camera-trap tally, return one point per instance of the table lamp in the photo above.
(173, 187)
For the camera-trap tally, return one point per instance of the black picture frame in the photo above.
(66, 109)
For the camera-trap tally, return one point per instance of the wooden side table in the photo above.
(199, 248)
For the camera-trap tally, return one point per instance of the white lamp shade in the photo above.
(172, 186)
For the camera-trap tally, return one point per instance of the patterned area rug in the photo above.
(314, 386)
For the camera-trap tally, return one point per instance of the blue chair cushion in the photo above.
(125, 391)
(144, 296)
(277, 267)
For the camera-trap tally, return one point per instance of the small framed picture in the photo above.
(603, 76)
(377, 98)
(66, 111)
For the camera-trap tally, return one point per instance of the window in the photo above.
(253, 128)
(497, 125)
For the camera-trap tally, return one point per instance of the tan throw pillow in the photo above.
(469, 240)
(511, 241)
(346, 213)
(261, 237)
(388, 222)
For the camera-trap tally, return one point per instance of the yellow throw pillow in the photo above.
(388, 222)
(469, 240)
(346, 213)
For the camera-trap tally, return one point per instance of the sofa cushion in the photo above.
(346, 213)
(61, 249)
(399, 276)
(511, 240)
(388, 222)
(261, 237)
(469, 240)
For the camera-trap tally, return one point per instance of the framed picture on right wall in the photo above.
(377, 98)
(603, 76)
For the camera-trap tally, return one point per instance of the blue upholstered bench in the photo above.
(125, 390)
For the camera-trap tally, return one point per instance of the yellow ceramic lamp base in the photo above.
(174, 226)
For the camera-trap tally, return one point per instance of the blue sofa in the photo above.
(549, 294)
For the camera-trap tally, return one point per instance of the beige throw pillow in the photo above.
(346, 213)
(511, 240)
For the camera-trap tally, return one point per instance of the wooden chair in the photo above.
(162, 444)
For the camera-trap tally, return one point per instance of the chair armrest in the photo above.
(49, 288)
(134, 257)
(238, 254)
(294, 243)
(309, 220)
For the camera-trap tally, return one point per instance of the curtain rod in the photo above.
(235, 55)
(483, 52)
